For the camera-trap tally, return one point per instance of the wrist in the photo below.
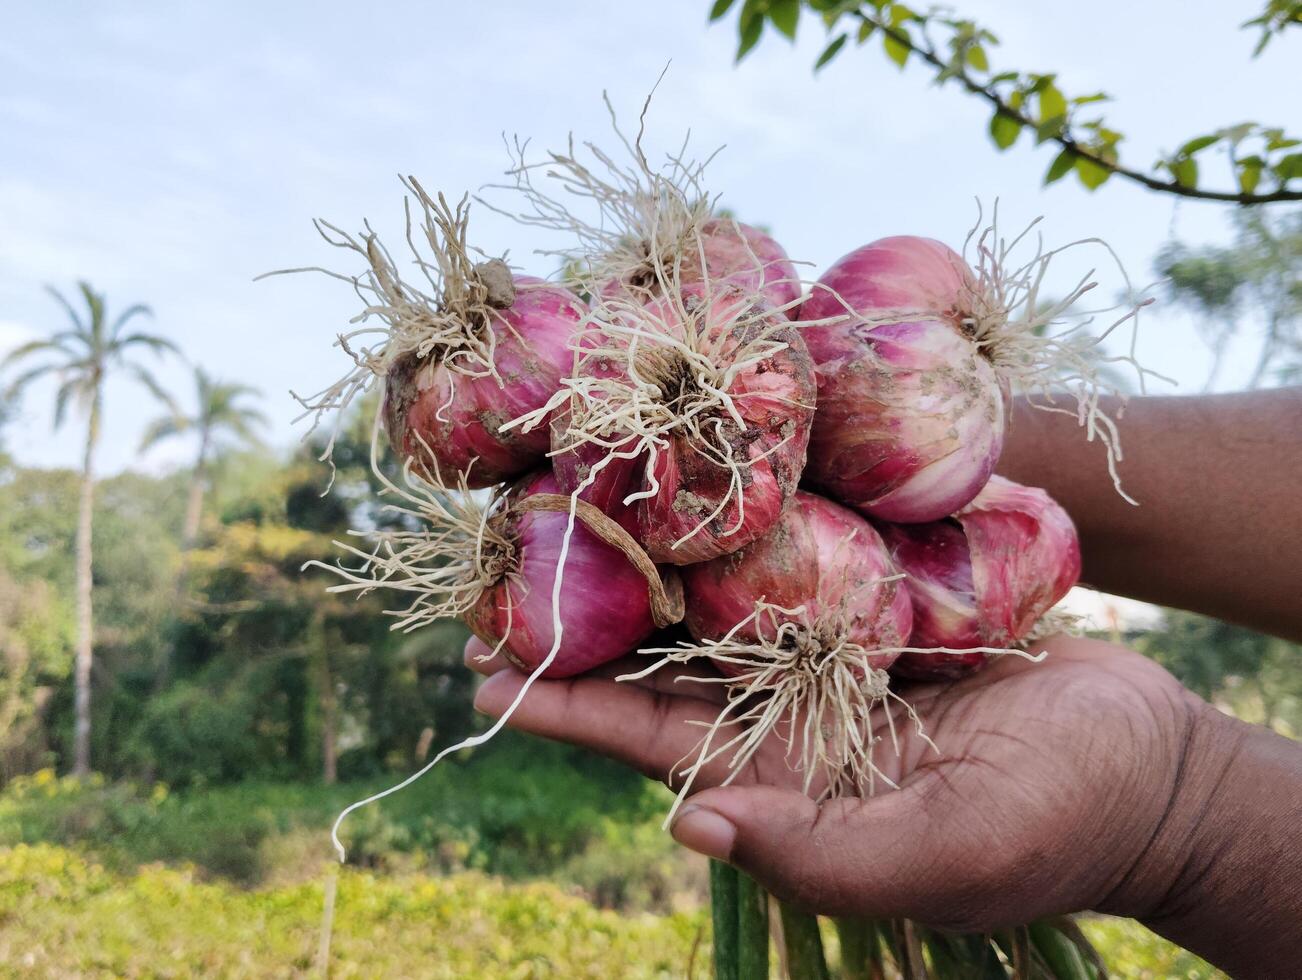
(1220, 874)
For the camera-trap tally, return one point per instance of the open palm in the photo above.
(1046, 784)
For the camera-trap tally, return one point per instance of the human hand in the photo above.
(1055, 787)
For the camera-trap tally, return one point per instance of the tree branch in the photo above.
(929, 54)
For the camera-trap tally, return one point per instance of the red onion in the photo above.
(984, 578)
(802, 622)
(687, 420)
(820, 557)
(434, 409)
(911, 416)
(719, 250)
(612, 597)
(644, 231)
(459, 355)
(495, 565)
(914, 376)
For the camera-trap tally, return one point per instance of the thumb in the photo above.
(844, 857)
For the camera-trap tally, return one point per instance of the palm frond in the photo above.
(34, 347)
(73, 386)
(145, 378)
(159, 345)
(164, 427)
(135, 309)
(79, 325)
(16, 387)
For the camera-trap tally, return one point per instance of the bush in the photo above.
(62, 915)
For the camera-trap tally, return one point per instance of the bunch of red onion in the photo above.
(657, 435)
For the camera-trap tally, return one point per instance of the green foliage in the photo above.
(1254, 675)
(519, 809)
(62, 915)
(1259, 274)
(1033, 100)
(1278, 16)
(1134, 952)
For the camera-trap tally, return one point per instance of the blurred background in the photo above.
(154, 161)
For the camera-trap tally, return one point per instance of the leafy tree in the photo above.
(1264, 161)
(1261, 273)
(221, 419)
(1254, 674)
(82, 355)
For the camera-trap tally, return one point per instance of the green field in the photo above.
(115, 880)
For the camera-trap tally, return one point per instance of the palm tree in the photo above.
(219, 419)
(82, 355)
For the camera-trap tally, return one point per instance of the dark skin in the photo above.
(1091, 780)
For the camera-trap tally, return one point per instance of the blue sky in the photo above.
(171, 154)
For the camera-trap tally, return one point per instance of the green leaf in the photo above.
(719, 9)
(1185, 171)
(1004, 130)
(1239, 133)
(830, 51)
(750, 30)
(1049, 128)
(1249, 175)
(1087, 99)
(900, 13)
(1289, 167)
(976, 58)
(1194, 145)
(866, 31)
(897, 51)
(785, 15)
(1060, 167)
(1091, 174)
(1052, 104)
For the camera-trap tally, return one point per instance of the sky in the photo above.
(171, 154)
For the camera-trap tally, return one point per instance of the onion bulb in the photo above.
(646, 231)
(984, 578)
(803, 623)
(459, 354)
(686, 420)
(494, 565)
(916, 354)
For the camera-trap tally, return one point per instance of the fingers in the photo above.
(700, 682)
(655, 732)
(861, 857)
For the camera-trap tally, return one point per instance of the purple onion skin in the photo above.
(985, 577)
(819, 555)
(741, 254)
(459, 418)
(605, 606)
(911, 416)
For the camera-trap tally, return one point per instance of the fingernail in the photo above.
(705, 832)
(487, 700)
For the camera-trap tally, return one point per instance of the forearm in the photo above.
(1218, 478)
(1234, 839)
